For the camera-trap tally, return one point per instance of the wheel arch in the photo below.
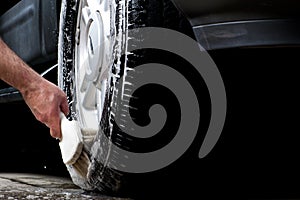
(221, 24)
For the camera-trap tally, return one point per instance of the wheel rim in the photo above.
(93, 58)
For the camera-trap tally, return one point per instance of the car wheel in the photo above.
(93, 71)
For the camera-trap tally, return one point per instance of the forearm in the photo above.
(45, 99)
(11, 66)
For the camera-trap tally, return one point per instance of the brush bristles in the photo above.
(82, 164)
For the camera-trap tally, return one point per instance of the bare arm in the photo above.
(44, 98)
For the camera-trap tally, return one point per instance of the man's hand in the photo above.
(46, 101)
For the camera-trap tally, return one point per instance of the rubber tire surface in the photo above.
(141, 13)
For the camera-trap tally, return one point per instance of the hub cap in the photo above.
(93, 54)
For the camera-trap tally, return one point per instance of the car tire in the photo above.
(128, 15)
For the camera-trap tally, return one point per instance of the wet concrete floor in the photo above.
(16, 186)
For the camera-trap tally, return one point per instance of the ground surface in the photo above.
(33, 186)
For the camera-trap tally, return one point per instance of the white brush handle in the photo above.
(71, 143)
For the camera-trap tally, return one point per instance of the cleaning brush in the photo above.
(72, 148)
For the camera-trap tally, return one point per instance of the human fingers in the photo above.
(56, 134)
(55, 129)
(64, 106)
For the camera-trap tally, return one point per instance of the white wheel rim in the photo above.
(93, 58)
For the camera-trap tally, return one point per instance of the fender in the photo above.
(220, 24)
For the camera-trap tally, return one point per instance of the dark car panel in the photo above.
(202, 12)
(37, 21)
(221, 24)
